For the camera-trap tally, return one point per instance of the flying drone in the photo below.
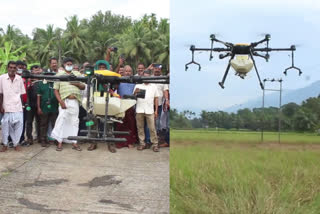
(101, 108)
(242, 56)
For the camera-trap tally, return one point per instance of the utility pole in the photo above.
(280, 104)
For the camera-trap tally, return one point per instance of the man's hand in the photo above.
(136, 91)
(167, 105)
(1, 110)
(155, 114)
(79, 85)
(121, 61)
(40, 111)
(63, 105)
(150, 67)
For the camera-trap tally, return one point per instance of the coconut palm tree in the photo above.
(75, 35)
(134, 44)
(46, 42)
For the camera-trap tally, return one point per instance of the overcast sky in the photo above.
(27, 15)
(192, 22)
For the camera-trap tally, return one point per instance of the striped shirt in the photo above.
(65, 88)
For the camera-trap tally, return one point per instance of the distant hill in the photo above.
(295, 96)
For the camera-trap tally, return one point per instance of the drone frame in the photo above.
(108, 134)
(251, 50)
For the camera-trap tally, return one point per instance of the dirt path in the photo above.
(42, 180)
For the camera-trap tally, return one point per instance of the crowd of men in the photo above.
(46, 112)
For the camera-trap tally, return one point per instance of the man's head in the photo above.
(76, 67)
(35, 69)
(68, 64)
(140, 69)
(102, 66)
(127, 70)
(20, 66)
(121, 71)
(157, 70)
(53, 63)
(12, 68)
(147, 73)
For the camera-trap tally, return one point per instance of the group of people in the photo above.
(53, 111)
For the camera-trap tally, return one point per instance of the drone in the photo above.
(242, 56)
(105, 109)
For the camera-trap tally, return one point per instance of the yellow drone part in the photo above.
(107, 73)
(242, 57)
(242, 44)
(98, 93)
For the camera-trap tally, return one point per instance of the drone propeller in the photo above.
(265, 35)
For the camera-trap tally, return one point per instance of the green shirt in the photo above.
(65, 88)
(47, 98)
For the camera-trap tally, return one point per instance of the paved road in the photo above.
(42, 180)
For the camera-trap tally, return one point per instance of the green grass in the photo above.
(241, 136)
(211, 178)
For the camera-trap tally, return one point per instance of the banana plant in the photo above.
(7, 54)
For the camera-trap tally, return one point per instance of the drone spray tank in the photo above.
(242, 64)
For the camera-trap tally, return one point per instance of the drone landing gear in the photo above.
(192, 60)
(255, 68)
(226, 72)
(292, 66)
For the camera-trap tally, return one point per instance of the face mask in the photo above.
(19, 71)
(69, 68)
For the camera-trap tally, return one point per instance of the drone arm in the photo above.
(272, 49)
(266, 57)
(255, 67)
(255, 44)
(221, 56)
(227, 44)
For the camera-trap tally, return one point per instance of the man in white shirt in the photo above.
(161, 88)
(147, 108)
(11, 91)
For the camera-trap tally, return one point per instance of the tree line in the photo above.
(294, 117)
(145, 40)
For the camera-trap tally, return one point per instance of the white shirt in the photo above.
(146, 105)
(12, 91)
(160, 88)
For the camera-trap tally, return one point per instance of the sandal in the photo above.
(92, 147)
(141, 147)
(155, 148)
(77, 148)
(112, 148)
(59, 149)
(4, 148)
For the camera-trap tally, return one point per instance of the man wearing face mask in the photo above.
(69, 97)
